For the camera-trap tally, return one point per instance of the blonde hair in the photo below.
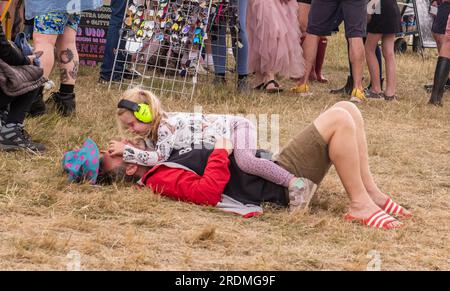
(138, 95)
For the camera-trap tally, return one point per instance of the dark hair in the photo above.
(117, 175)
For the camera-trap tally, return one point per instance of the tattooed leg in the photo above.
(74, 73)
(68, 56)
(45, 45)
(64, 76)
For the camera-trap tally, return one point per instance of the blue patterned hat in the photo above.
(82, 164)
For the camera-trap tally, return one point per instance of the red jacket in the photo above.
(187, 186)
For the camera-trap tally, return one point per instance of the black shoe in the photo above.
(243, 86)
(63, 103)
(118, 76)
(16, 138)
(104, 81)
(3, 117)
(219, 80)
(130, 75)
(429, 87)
(38, 107)
(347, 89)
(440, 80)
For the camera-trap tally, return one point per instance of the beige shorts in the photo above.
(306, 155)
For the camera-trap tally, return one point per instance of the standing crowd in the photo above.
(279, 38)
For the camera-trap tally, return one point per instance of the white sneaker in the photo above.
(301, 193)
(49, 85)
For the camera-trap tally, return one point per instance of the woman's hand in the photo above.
(116, 148)
(224, 143)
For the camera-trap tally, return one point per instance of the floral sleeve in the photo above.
(133, 155)
(166, 141)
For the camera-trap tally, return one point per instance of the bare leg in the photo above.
(68, 56)
(439, 39)
(389, 57)
(357, 60)
(303, 13)
(369, 183)
(372, 62)
(46, 43)
(309, 51)
(338, 129)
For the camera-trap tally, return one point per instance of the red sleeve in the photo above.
(188, 186)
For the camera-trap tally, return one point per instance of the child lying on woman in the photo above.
(140, 113)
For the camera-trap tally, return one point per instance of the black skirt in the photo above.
(388, 21)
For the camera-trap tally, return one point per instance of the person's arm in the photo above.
(9, 54)
(187, 186)
(137, 156)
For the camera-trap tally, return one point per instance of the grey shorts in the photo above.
(440, 21)
(326, 15)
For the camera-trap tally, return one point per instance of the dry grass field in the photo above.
(43, 219)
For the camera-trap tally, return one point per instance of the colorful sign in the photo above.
(91, 35)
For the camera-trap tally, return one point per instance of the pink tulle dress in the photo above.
(274, 38)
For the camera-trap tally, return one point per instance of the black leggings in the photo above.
(18, 106)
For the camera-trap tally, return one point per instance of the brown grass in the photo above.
(42, 218)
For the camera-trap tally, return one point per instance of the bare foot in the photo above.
(322, 79)
(363, 212)
(381, 199)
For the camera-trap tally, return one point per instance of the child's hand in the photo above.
(224, 143)
(116, 148)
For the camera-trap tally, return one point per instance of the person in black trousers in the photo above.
(13, 108)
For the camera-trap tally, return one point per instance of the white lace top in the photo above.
(180, 130)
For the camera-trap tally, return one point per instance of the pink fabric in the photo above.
(447, 30)
(274, 38)
(244, 138)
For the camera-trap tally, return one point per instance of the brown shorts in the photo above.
(306, 155)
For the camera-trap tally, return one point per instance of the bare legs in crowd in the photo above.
(316, 71)
(439, 30)
(441, 73)
(374, 68)
(59, 32)
(323, 17)
(274, 42)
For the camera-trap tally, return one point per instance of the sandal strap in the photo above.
(379, 219)
(392, 208)
(259, 87)
(275, 83)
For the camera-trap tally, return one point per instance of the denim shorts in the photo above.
(56, 22)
